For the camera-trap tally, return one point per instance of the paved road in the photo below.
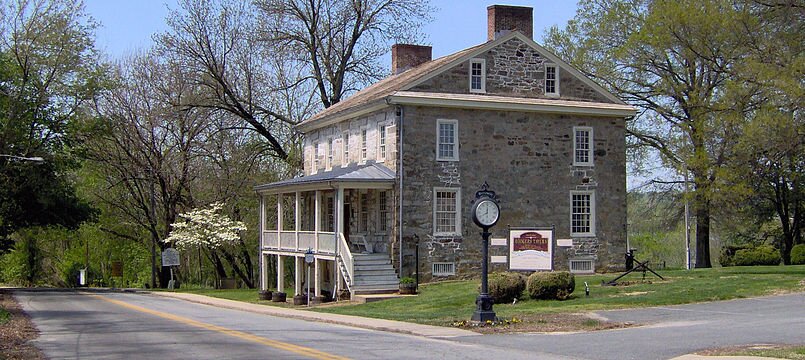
(127, 325)
(675, 330)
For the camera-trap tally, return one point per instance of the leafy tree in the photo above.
(49, 70)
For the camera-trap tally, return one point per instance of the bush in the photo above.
(504, 287)
(727, 255)
(551, 285)
(798, 255)
(761, 255)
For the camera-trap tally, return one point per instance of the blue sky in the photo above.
(458, 24)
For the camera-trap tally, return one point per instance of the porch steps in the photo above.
(374, 275)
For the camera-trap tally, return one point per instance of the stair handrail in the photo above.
(347, 260)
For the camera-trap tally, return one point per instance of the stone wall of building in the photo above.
(527, 159)
(512, 69)
(336, 132)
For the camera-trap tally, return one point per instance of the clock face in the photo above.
(487, 213)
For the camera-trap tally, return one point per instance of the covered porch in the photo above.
(343, 217)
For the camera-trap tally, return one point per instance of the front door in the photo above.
(347, 213)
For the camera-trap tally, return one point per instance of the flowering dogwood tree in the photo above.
(205, 227)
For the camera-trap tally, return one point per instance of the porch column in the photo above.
(279, 220)
(280, 275)
(317, 276)
(299, 274)
(296, 217)
(263, 271)
(339, 228)
(317, 221)
(261, 258)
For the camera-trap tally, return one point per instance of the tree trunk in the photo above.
(702, 231)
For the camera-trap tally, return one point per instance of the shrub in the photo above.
(798, 255)
(761, 255)
(504, 287)
(551, 285)
(727, 255)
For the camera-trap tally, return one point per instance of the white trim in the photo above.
(591, 193)
(490, 102)
(342, 115)
(345, 148)
(453, 122)
(329, 155)
(555, 92)
(590, 161)
(482, 62)
(457, 191)
(363, 142)
(314, 164)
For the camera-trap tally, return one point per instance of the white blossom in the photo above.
(205, 227)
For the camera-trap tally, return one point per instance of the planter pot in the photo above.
(300, 300)
(317, 300)
(278, 297)
(265, 295)
(408, 289)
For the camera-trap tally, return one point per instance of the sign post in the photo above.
(170, 258)
(309, 259)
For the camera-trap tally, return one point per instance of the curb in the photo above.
(348, 320)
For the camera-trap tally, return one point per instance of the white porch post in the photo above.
(297, 215)
(317, 272)
(317, 225)
(263, 271)
(260, 259)
(280, 275)
(279, 220)
(298, 274)
(339, 228)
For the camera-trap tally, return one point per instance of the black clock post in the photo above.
(485, 214)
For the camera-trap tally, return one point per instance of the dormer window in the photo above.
(477, 76)
(551, 80)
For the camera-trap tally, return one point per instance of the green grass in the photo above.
(244, 295)
(4, 316)
(796, 352)
(443, 303)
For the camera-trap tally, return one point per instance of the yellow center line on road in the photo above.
(296, 349)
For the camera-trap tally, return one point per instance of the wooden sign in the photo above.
(117, 268)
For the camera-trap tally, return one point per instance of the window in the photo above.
(363, 215)
(582, 213)
(551, 80)
(443, 269)
(382, 142)
(345, 150)
(447, 140)
(446, 211)
(582, 146)
(329, 213)
(477, 76)
(315, 156)
(363, 145)
(382, 204)
(330, 152)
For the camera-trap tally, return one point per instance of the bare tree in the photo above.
(341, 40)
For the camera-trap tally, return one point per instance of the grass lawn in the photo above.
(446, 302)
(795, 352)
(4, 316)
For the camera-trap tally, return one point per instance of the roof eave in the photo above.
(346, 114)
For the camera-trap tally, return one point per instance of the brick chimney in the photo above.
(406, 56)
(503, 19)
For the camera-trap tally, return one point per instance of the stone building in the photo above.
(392, 170)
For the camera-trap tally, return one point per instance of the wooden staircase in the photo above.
(374, 275)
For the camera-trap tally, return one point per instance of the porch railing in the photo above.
(321, 242)
(346, 262)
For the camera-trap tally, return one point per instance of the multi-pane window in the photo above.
(329, 214)
(551, 80)
(364, 153)
(345, 150)
(582, 146)
(383, 215)
(363, 219)
(478, 75)
(582, 213)
(330, 152)
(382, 142)
(446, 211)
(447, 140)
(315, 156)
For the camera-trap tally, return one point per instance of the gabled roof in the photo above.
(355, 173)
(374, 97)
